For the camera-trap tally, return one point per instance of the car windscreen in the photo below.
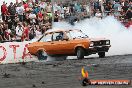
(46, 38)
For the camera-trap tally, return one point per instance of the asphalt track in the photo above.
(66, 74)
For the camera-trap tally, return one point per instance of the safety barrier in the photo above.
(14, 52)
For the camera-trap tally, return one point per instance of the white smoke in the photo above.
(108, 27)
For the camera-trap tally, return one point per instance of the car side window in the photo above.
(58, 36)
(47, 38)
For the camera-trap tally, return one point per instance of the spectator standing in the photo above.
(129, 14)
(25, 5)
(4, 11)
(25, 35)
(49, 7)
(12, 11)
(19, 31)
(125, 6)
(97, 5)
(1, 33)
(32, 32)
(32, 18)
(7, 32)
(36, 9)
(43, 5)
(38, 32)
(40, 17)
(56, 17)
(98, 14)
(20, 12)
(77, 7)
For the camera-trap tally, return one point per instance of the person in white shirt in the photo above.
(19, 31)
(8, 34)
(43, 5)
(32, 18)
(20, 12)
(98, 14)
(38, 32)
(49, 8)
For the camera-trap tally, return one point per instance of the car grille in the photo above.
(99, 43)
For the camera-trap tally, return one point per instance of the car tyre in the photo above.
(80, 53)
(42, 55)
(101, 54)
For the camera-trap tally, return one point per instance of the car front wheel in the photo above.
(80, 53)
(42, 55)
(101, 54)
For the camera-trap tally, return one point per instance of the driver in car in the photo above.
(59, 37)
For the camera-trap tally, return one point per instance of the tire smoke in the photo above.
(109, 27)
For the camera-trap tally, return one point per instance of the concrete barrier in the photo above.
(14, 52)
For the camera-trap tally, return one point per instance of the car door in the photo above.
(55, 43)
(68, 46)
(60, 45)
(46, 43)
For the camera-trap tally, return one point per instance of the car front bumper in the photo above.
(96, 49)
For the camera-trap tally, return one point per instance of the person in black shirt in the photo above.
(12, 11)
(56, 17)
(1, 33)
(129, 14)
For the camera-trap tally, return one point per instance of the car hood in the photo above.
(97, 39)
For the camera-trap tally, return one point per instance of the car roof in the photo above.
(58, 30)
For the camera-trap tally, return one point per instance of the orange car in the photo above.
(68, 42)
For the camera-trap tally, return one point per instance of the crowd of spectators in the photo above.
(68, 11)
(24, 20)
(120, 9)
(29, 19)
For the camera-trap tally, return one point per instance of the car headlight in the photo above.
(107, 42)
(91, 43)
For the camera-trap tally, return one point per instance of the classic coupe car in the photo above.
(68, 43)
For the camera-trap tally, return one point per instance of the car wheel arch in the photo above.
(79, 47)
(41, 49)
(41, 54)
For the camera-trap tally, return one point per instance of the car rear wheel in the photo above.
(101, 54)
(42, 55)
(80, 53)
